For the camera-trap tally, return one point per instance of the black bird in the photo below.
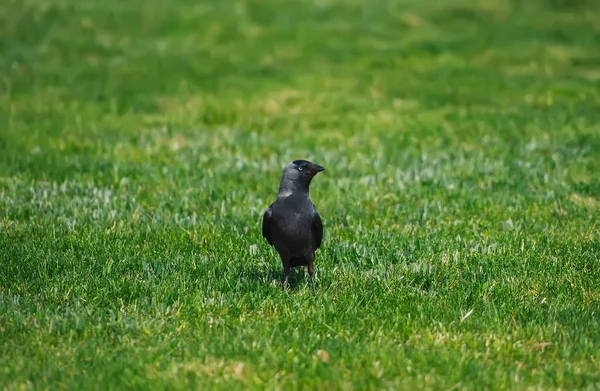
(292, 224)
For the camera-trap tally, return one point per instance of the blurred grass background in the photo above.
(141, 142)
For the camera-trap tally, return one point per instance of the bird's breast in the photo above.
(292, 231)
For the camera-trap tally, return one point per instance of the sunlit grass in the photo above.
(140, 144)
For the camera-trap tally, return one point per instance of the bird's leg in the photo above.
(286, 272)
(311, 273)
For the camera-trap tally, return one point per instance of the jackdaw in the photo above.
(292, 224)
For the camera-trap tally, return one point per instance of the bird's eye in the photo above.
(300, 168)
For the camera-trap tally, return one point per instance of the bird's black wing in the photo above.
(317, 229)
(266, 225)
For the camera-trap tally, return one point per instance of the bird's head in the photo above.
(297, 176)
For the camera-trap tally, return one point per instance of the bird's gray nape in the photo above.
(289, 186)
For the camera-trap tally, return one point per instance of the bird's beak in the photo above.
(319, 168)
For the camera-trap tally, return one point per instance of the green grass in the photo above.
(141, 141)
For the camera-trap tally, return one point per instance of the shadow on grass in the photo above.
(258, 275)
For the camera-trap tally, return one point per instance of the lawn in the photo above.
(141, 141)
